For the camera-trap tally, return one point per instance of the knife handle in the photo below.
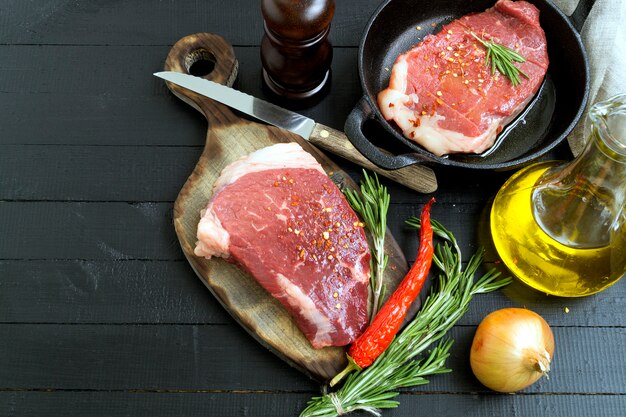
(417, 177)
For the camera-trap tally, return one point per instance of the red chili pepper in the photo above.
(379, 334)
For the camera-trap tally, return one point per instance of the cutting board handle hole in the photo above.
(200, 62)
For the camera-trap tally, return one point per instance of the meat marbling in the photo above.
(443, 96)
(278, 215)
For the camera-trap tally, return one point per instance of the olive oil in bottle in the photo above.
(561, 227)
(538, 259)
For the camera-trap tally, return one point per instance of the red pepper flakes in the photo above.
(391, 105)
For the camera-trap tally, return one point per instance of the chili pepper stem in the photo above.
(352, 366)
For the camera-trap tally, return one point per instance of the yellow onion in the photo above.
(512, 349)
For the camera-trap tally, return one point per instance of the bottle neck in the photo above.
(580, 204)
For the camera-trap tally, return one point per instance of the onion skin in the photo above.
(512, 349)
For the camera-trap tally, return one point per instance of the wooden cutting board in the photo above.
(230, 137)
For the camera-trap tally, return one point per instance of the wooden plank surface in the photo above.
(66, 172)
(261, 404)
(128, 23)
(111, 230)
(167, 292)
(203, 357)
(104, 109)
(101, 315)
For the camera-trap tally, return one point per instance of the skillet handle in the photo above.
(354, 130)
(581, 13)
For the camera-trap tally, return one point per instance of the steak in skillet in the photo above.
(278, 216)
(443, 96)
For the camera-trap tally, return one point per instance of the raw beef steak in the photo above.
(277, 214)
(443, 96)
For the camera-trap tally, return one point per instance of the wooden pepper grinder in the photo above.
(295, 50)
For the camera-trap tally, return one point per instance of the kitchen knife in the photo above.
(416, 177)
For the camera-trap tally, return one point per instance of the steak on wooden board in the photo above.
(443, 96)
(278, 216)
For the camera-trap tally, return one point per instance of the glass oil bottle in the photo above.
(561, 227)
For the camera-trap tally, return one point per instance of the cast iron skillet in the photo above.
(546, 121)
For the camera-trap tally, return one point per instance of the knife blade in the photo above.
(416, 177)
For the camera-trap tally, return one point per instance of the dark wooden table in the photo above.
(100, 314)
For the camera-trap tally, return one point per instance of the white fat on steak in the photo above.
(305, 306)
(277, 215)
(213, 239)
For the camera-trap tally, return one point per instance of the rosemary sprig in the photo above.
(406, 363)
(501, 58)
(372, 205)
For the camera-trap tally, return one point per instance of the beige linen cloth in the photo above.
(604, 37)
